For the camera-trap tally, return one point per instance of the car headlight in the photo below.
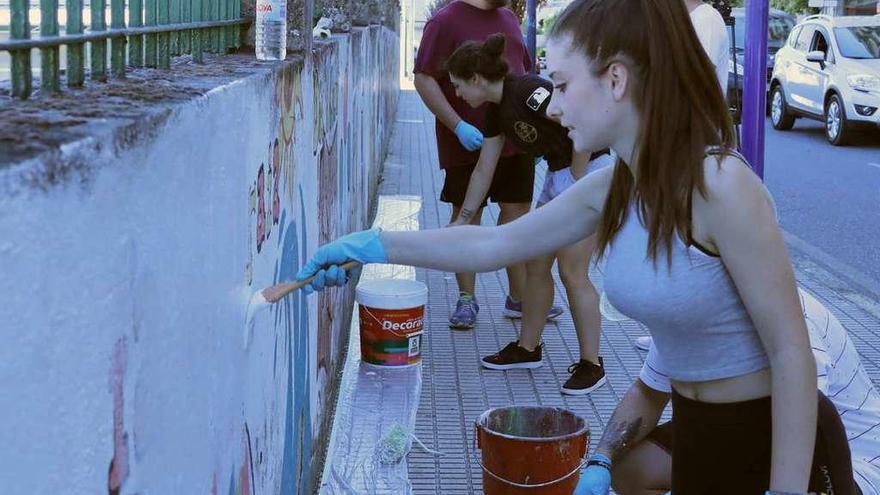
(864, 82)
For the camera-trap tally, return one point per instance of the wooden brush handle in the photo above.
(278, 292)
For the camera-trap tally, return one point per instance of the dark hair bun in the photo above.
(474, 57)
(494, 45)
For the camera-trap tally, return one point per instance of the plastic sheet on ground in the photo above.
(376, 408)
(372, 401)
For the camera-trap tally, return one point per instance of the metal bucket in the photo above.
(531, 450)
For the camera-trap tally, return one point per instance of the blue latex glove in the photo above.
(595, 480)
(364, 246)
(469, 136)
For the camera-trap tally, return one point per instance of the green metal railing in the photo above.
(157, 30)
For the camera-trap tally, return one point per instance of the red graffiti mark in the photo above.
(119, 465)
(244, 472)
(261, 208)
(214, 484)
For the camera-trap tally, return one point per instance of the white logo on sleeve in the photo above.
(537, 98)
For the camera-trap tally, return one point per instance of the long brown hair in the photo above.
(676, 91)
(483, 58)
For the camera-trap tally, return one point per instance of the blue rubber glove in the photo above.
(469, 136)
(364, 246)
(595, 480)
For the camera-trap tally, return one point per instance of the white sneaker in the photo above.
(644, 343)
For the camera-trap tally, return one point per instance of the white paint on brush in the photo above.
(256, 304)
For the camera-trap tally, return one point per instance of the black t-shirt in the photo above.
(522, 117)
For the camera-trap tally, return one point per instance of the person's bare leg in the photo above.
(537, 301)
(583, 300)
(516, 274)
(466, 281)
(644, 470)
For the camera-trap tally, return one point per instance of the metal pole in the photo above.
(755, 84)
(737, 96)
(532, 31)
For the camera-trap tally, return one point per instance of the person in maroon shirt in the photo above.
(518, 112)
(459, 135)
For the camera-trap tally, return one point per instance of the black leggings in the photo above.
(725, 449)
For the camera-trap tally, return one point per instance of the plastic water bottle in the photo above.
(271, 29)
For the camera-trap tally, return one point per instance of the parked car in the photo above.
(829, 70)
(779, 25)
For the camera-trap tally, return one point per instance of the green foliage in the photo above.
(519, 7)
(545, 26)
(793, 7)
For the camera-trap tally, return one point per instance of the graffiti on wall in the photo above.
(289, 102)
(278, 170)
(275, 197)
(264, 196)
(326, 98)
(292, 325)
(241, 481)
(347, 135)
(241, 477)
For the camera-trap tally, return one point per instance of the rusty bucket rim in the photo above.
(481, 419)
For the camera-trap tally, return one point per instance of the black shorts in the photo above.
(514, 181)
(725, 448)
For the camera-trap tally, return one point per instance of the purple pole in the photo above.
(755, 84)
(531, 31)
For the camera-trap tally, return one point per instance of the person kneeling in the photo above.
(847, 396)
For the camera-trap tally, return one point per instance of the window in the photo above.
(777, 31)
(805, 38)
(778, 28)
(861, 42)
(794, 36)
(820, 44)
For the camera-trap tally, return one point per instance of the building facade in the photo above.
(846, 7)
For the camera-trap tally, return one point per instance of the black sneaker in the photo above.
(514, 357)
(585, 377)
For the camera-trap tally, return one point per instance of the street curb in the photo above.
(843, 279)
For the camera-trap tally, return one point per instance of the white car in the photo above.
(829, 70)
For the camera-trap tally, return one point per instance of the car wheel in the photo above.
(780, 117)
(836, 127)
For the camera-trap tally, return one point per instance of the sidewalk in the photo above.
(455, 389)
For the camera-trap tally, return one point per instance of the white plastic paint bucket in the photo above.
(392, 314)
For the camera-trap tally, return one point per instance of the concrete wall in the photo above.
(126, 270)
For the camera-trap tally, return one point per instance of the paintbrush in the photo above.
(264, 298)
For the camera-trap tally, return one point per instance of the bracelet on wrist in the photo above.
(600, 460)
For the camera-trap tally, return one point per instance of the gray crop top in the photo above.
(693, 310)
